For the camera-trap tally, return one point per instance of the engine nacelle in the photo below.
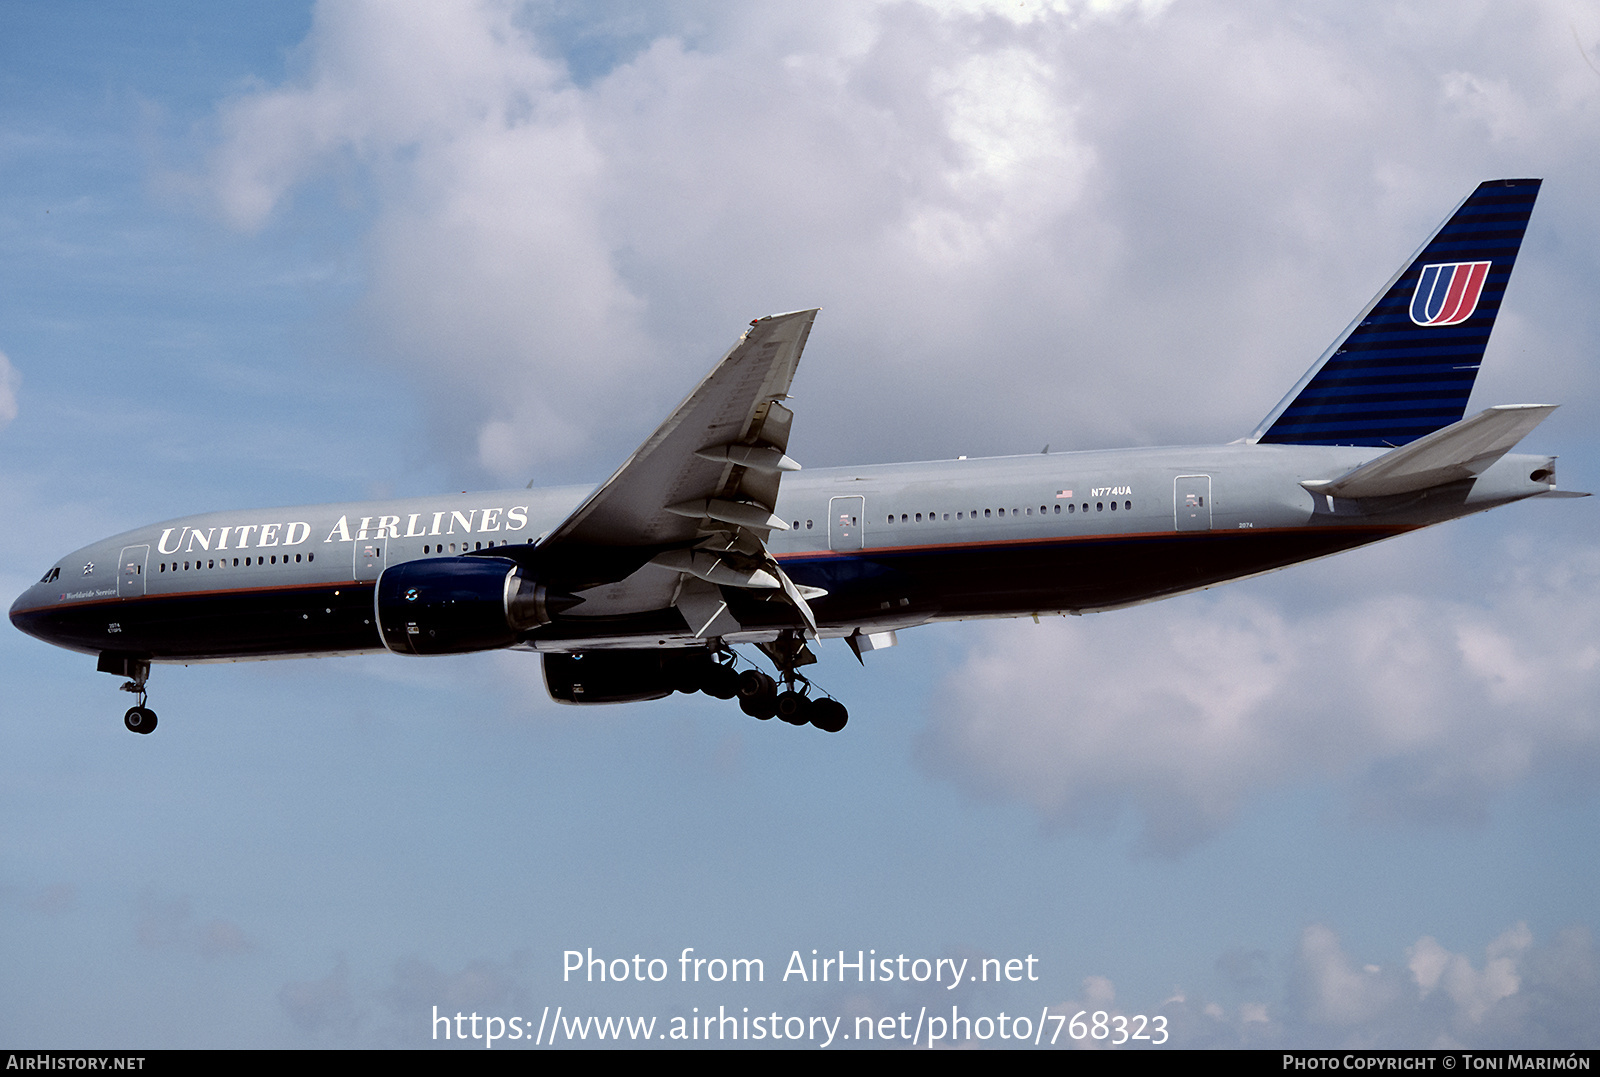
(622, 676)
(452, 605)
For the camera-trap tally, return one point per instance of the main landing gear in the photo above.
(760, 696)
(139, 718)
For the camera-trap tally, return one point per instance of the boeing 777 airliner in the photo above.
(710, 536)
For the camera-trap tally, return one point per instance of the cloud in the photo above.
(1519, 994)
(10, 382)
(1330, 989)
(968, 188)
(1522, 996)
(1121, 221)
(1416, 707)
(1474, 992)
(323, 1008)
(340, 1008)
(491, 276)
(169, 924)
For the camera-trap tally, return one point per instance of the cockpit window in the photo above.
(50, 577)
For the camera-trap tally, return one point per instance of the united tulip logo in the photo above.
(1447, 293)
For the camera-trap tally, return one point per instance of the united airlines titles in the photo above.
(298, 532)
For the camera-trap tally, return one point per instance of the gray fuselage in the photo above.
(887, 545)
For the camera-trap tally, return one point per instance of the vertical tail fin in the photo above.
(1405, 367)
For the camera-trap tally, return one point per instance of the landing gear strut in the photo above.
(139, 718)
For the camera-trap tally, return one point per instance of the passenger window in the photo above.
(1070, 507)
(919, 517)
(987, 513)
(808, 525)
(1128, 505)
(1113, 506)
(1099, 506)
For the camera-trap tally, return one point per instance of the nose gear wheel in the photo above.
(138, 718)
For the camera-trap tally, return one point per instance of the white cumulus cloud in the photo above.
(1108, 221)
(1416, 706)
(1520, 993)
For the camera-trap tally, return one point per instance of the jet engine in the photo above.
(452, 605)
(627, 676)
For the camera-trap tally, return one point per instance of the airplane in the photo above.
(709, 536)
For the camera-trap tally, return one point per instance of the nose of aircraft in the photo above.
(20, 608)
(19, 616)
(31, 610)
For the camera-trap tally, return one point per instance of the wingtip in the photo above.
(812, 311)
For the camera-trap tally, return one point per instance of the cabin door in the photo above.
(1191, 502)
(130, 571)
(368, 558)
(845, 515)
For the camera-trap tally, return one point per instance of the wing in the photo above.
(718, 456)
(690, 511)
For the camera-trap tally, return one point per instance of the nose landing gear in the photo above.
(139, 718)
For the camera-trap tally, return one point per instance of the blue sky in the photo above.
(305, 254)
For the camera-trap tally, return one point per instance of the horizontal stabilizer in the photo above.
(1459, 451)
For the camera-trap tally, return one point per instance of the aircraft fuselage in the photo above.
(892, 545)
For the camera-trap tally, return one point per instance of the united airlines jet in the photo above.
(709, 536)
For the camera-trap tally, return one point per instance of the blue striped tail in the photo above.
(1405, 367)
